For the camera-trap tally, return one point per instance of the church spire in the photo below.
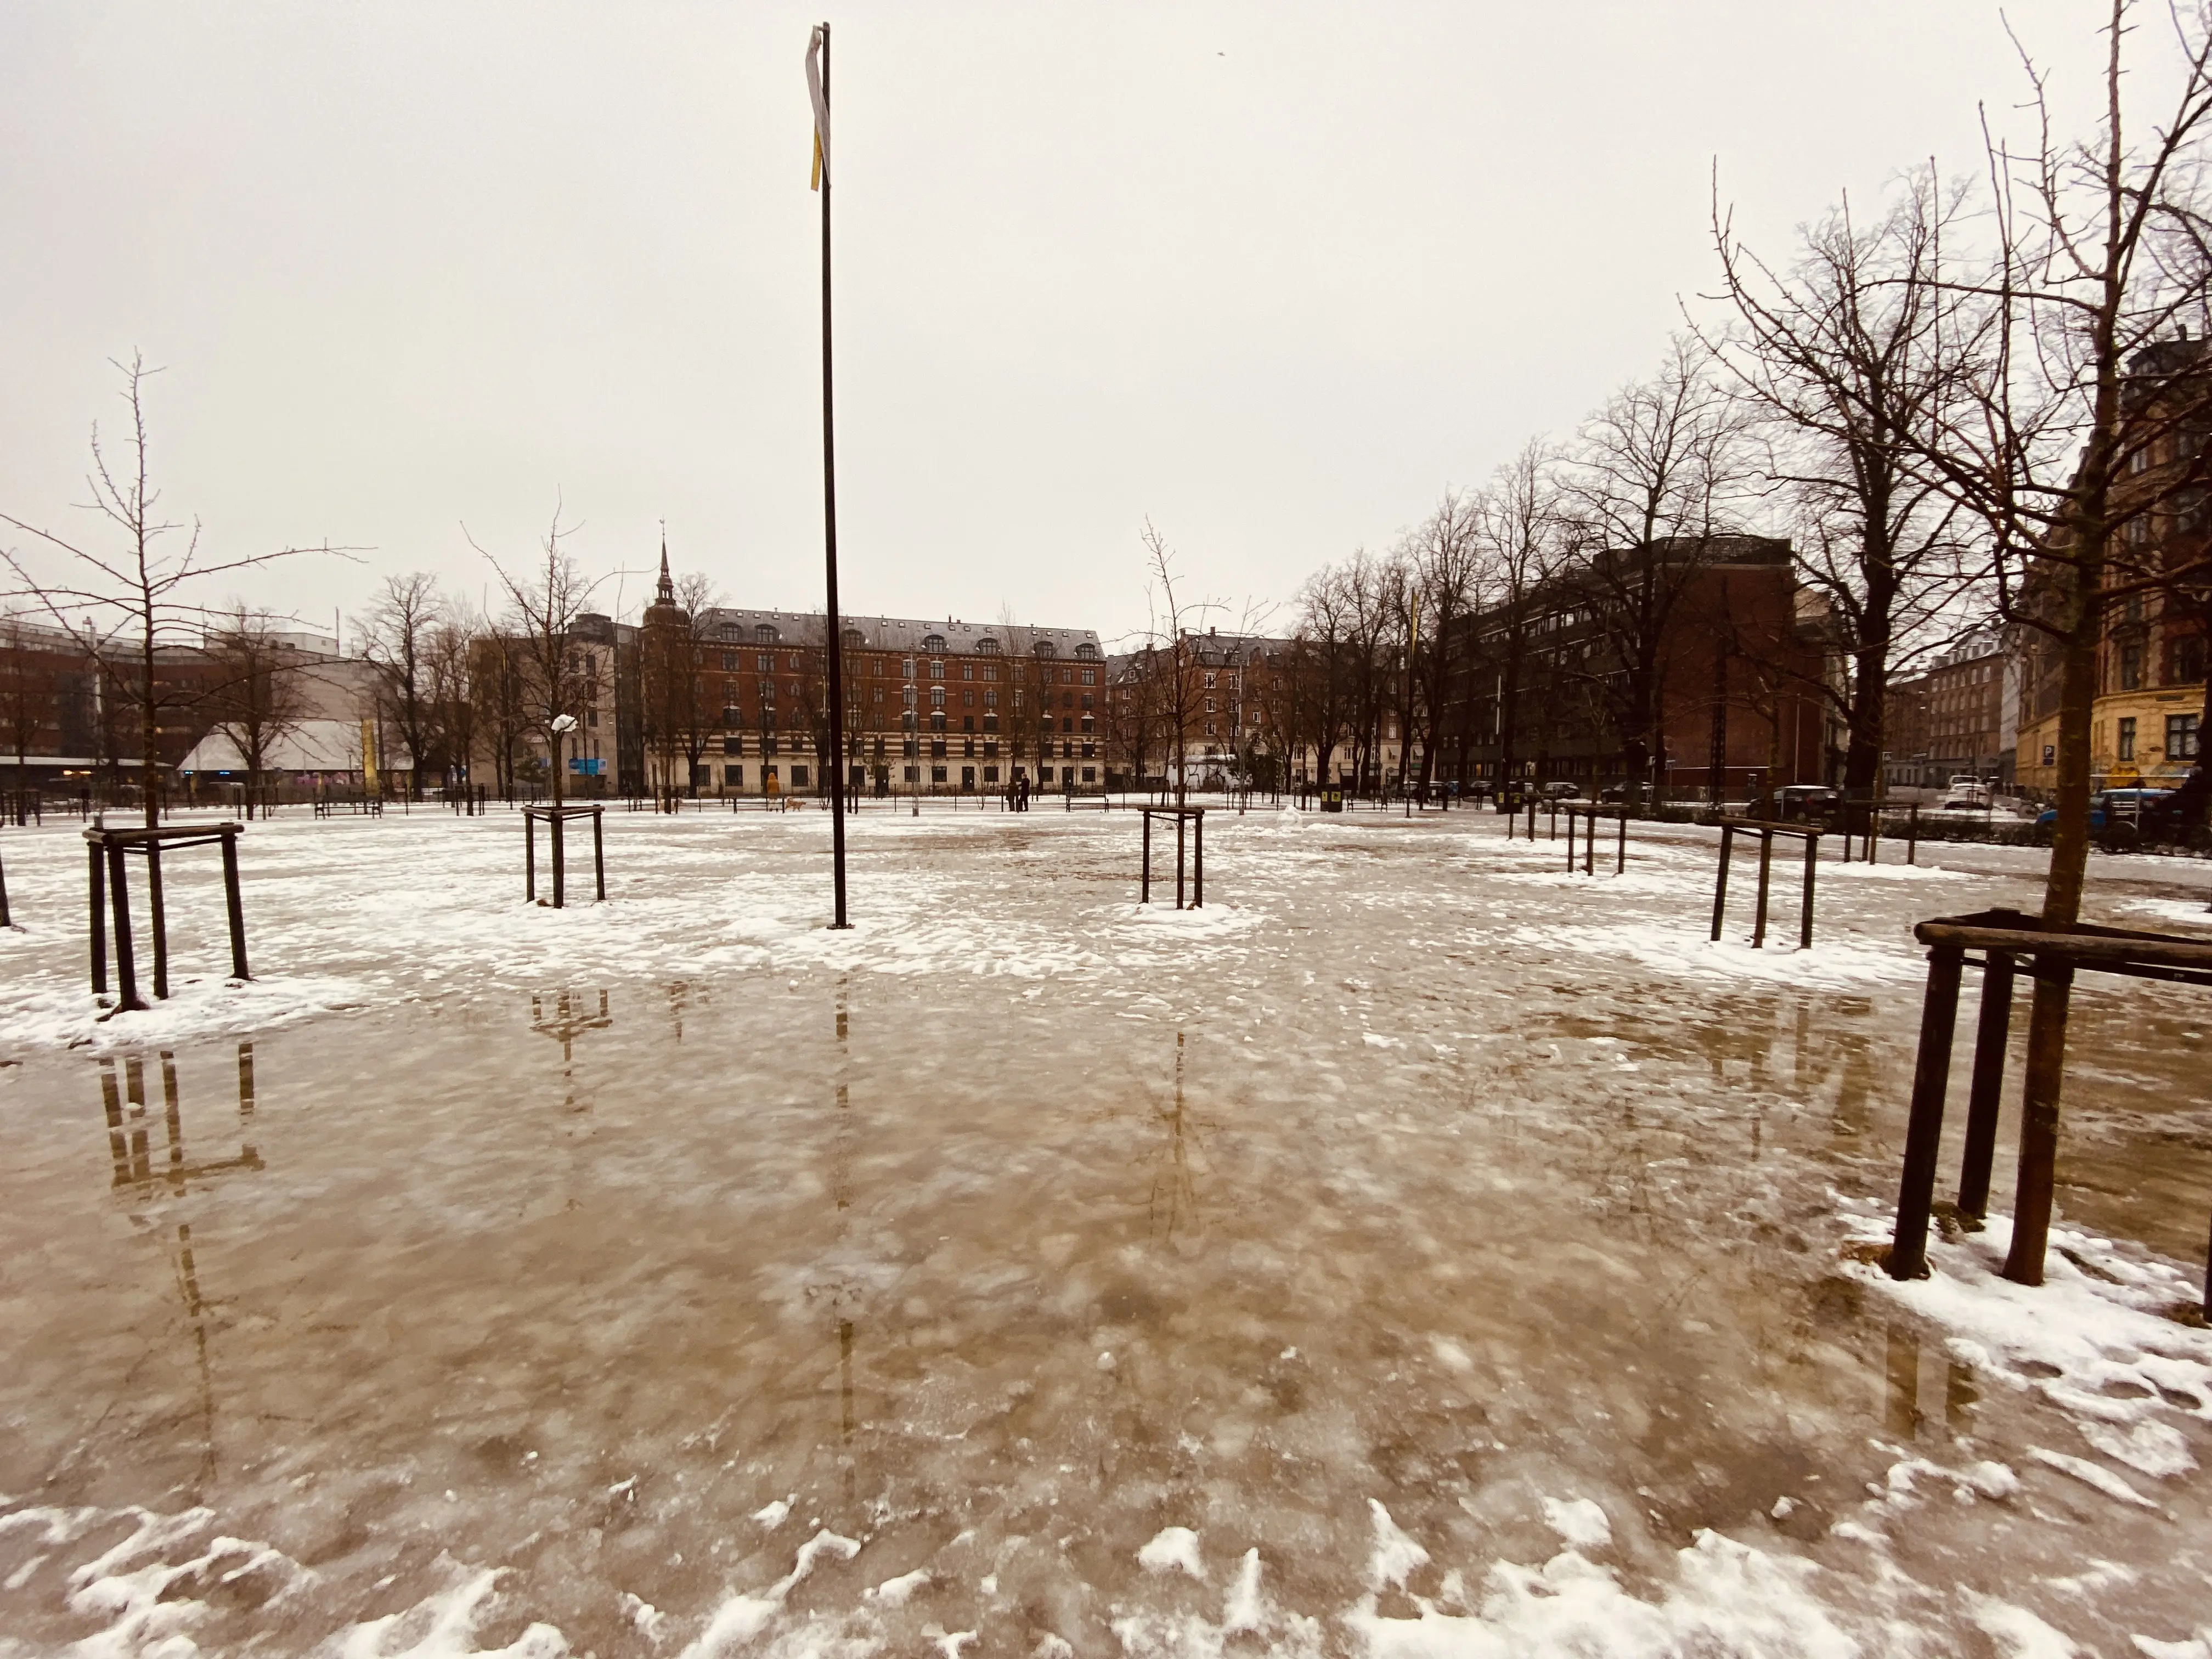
(665, 593)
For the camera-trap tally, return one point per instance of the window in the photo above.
(733, 745)
(763, 662)
(937, 697)
(1090, 676)
(2188, 660)
(729, 661)
(937, 774)
(967, 699)
(907, 664)
(933, 642)
(990, 700)
(913, 775)
(967, 671)
(765, 635)
(733, 777)
(2127, 736)
(1209, 681)
(590, 717)
(987, 646)
(2181, 737)
(1067, 676)
(799, 777)
(909, 696)
(936, 671)
(1045, 649)
(1086, 649)
(853, 639)
(879, 694)
(990, 670)
(2130, 666)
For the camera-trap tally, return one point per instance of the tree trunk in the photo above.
(2061, 904)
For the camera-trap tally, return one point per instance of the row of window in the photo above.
(2181, 737)
(768, 633)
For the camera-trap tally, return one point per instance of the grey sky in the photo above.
(1272, 274)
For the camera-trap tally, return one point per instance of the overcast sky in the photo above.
(1274, 275)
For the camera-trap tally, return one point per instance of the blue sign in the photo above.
(590, 767)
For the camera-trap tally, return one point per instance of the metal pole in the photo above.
(1198, 836)
(598, 854)
(529, 857)
(1179, 822)
(1144, 881)
(834, 642)
(1620, 848)
(557, 823)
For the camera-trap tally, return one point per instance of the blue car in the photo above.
(2121, 819)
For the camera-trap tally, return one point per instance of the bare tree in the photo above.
(1175, 673)
(455, 657)
(544, 599)
(1323, 671)
(1855, 358)
(397, 636)
(1649, 484)
(141, 587)
(1518, 529)
(256, 699)
(1446, 553)
(2087, 429)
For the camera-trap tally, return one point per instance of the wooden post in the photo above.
(1197, 872)
(1912, 836)
(1620, 847)
(598, 855)
(236, 906)
(1923, 1131)
(1805, 913)
(560, 861)
(97, 931)
(4, 922)
(118, 898)
(1766, 880)
(1144, 881)
(157, 917)
(1179, 822)
(528, 856)
(1720, 879)
(1985, 1092)
(2038, 1122)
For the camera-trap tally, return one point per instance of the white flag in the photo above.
(821, 107)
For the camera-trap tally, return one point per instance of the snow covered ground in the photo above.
(1420, 1251)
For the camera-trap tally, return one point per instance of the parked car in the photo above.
(1806, 800)
(2120, 820)
(1557, 790)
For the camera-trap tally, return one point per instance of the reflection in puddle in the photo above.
(134, 1171)
(129, 1146)
(568, 1018)
(1929, 1395)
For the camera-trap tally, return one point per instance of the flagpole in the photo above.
(834, 642)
